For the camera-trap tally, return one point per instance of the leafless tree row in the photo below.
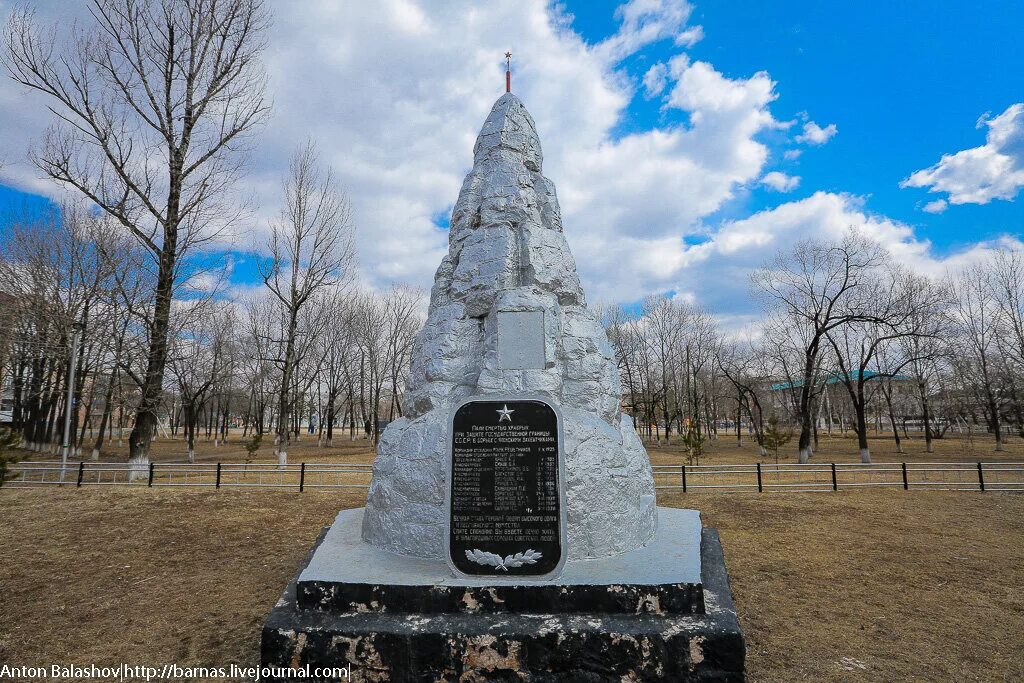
(155, 103)
(339, 359)
(849, 340)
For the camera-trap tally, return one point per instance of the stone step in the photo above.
(543, 645)
(345, 574)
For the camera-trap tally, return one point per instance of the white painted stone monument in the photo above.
(510, 531)
(508, 317)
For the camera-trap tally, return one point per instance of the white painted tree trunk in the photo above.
(191, 455)
(95, 454)
(138, 468)
(865, 455)
(805, 455)
(282, 457)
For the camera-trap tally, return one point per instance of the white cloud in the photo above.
(980, 174)
(644, 22)
(655, 80)
(792, 154)
(690, 36)
(717, 270)
(816, 135)
(937, 206)
(780, 182)
(395, 92)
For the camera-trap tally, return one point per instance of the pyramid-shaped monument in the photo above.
(511, 532)
(508, 317)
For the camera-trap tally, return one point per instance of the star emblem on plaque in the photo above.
(506, 500)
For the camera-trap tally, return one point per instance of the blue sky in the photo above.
(904, 83)
(664, 190)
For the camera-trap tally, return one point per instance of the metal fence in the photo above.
(761, 477)
(299, 476)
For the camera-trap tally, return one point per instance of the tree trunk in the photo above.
(997, 427)
(97, 447)
(739, 418)
(152, 387)
(281, 441)
(859, 408)
(926, 418)
(804, 443)
(892, 419)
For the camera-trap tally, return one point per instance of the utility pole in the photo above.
(76, 338)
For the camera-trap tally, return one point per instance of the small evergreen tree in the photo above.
(9, 440)
(251, 446)
(693, 439)
(774, 438)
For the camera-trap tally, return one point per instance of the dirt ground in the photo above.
(720, 451)
(854, 586)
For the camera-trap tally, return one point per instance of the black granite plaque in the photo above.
(505, 513)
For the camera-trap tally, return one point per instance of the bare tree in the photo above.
(976, 320)
(311, 248)
(893, 311)
(744, 365)
(664, 326)
(403, 306)
(152, 102)
(819, 287)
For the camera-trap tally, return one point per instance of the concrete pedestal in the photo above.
(661, 612)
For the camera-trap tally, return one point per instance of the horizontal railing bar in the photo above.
(769, 485)
(335, 486)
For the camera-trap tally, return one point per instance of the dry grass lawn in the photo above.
(854, 586)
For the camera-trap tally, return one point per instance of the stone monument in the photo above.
(511, 531)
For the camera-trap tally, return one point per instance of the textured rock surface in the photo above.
(507, 252)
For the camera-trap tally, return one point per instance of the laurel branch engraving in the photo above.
(491, 560)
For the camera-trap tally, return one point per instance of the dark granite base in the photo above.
(695, 641)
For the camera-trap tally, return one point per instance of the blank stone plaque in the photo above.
(521, 340)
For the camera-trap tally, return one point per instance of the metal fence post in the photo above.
(150, 482)
(760, 489)
(684, 478)
(218, 476)
(835, 482)
(302, 477)
(981, 477)
(81, 471)
(906, 484)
